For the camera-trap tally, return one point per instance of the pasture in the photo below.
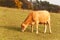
(11, 19)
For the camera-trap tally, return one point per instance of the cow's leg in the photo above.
(49, 26)
(45, 28)
(37, 27)
(32, 28)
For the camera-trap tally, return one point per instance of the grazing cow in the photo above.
(37, 17)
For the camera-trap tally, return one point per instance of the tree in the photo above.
(18, 3)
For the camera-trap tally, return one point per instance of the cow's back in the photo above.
(41, 16)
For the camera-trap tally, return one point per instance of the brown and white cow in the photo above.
(37, 17)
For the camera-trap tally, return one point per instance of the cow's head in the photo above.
(23, 27)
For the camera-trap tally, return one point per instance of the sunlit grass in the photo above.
(11, 19)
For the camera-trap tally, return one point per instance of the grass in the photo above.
(11, 19)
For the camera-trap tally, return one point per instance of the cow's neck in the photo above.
(28, 22)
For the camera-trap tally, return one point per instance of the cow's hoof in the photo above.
(44, 32)
(36, 32)
(22, 30)
(32, 31)
(50, 32)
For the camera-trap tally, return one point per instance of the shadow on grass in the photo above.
(16, 28)
(12, 28)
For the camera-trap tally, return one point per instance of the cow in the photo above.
(37, 17)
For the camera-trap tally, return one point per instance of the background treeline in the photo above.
(7, 3)
(42, 5)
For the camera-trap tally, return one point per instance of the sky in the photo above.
(56, 2)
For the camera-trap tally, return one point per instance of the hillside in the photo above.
(10, 29)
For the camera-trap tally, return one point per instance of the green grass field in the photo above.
(11, 19)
